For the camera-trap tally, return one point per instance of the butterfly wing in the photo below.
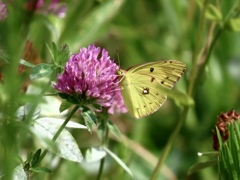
(143, 85)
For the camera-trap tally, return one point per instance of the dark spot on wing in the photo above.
(151, 69)
(145, 91)
(170, 61)
(152, 79)
(162, 82)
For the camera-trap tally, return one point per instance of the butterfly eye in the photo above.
(151, 69)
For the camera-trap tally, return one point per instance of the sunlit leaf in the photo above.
(26, 63)
(24, 111)
(41, 70)
(59, 122)
(114, 129)
(67, 146)
(94, 154)
(19, 174)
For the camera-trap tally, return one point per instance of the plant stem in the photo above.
(101, 168)
(59, 132)
(104, 142)
(196, 52)
(183, 116)
(169, 145)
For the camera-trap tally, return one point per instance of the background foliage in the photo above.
(142, 31)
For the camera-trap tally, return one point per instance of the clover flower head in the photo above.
(90, 76)
(43, 7)
(38, 6)
(3, 11)
(222, 124)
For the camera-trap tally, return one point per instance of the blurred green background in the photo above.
(146, 31)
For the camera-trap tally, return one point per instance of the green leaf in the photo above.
(64, 105)
(62, 56)
(40, 70)
(59, 55)
(233, 24)
(96, 107)
(213, 13)
(118, 160)
(29, 156)
(234, 145)
(229, 160)
(201, 165)
(54, 51)
(35, 157)
(114, 129)
(229, 154)
(219, 137)
(69, 98)
(89, 117)
(237, 131)
(50, 50)
(40, 170)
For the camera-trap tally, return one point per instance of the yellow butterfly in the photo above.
(142, 86)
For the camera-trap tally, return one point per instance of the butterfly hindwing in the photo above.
(143, 85)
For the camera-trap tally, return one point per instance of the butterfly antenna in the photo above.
(118, 56)
(119, 66)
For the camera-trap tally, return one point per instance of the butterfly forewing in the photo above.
(143, 85)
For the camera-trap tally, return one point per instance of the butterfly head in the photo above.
(121, 72)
